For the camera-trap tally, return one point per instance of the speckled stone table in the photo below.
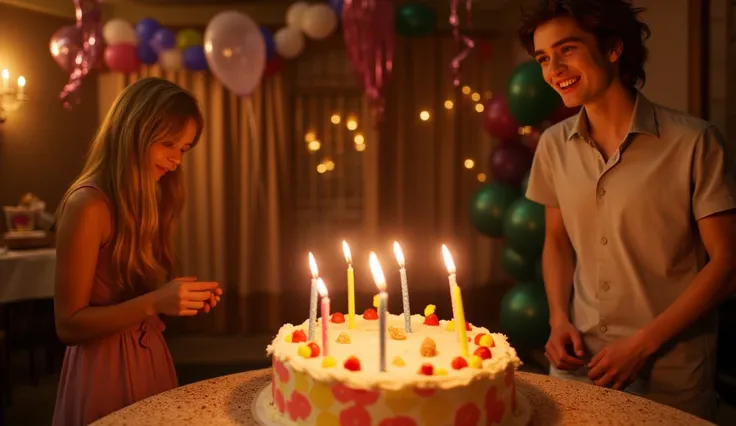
(227, 400)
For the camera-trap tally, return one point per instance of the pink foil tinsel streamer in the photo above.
(369, 33)
(464, 42)
(89, 22)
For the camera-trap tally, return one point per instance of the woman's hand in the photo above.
(185, 296)
(210, 303)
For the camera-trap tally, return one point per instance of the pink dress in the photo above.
(108, 374)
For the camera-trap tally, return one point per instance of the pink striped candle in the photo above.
(325, 314)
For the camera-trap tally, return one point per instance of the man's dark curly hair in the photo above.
(609, 21)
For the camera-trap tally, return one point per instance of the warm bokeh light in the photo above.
(335, 119)
(314, 146)
(449, 104)
(359, 139)
(424, 115)
(321, 168)
(469, 163)
(482, 177)
(480, 107)
(467, 90)
(351, 124)
(310, 136)
(475, 97)
(360, 147)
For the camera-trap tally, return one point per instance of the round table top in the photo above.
(227, 400)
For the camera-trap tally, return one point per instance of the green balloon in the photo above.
(488, 208)
(530, 99)
(519, 267)
(524, 315)
(523, 227)
(415, 20)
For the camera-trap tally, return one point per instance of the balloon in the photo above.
(336, 5)
(524, 315)
(193, 58)
(509, 163)
(146, 54)
(274, 66)
(170, 59)
(498, 120)
(146, 28)
(295, 13)
(318, 21)
(268, 40)
(415, 20)
(488, 207)
(519, 267)
(187, 38)
(368, 31)
(122, 58)
(531, 139)
(89, 23)
(530, 98)
(562, 112)
(523, 227)
(163, 39)
(119, 31)
(65, 45)
(289, 42)
(238, 54)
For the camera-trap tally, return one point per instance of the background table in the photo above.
(27, 275)
(227, 400)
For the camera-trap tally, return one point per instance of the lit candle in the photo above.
(404, 287)
(325, 314)
(6, 78)
(451, 274)
(460, 321)
(313, 296)
(351, 285)
(380, 280)
(21, 85)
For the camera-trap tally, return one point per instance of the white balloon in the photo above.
(119, 31)
(170, 59)
(289, 42)
(295, 14)
(319, 21)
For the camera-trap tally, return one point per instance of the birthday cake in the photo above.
(427, 380)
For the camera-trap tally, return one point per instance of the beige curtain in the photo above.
(235, 214)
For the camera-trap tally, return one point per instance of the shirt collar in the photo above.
(644, 120)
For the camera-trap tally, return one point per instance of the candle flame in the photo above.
(377, 272)
(321, 287)
(313, 265)
(399, 254)
(346, 251)
(448, 259)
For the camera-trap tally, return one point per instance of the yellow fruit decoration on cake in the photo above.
(375, 301)
(429, 310)
(450, 326)
(328, 362)
(343, 338)
(440, 372)
(398, 361)
(486, 340)
(475, 362)
(288, 338)
(321, 396)
(304, 351)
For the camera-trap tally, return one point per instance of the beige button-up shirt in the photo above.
(632, 224)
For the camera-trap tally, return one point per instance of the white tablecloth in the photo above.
(27, 274)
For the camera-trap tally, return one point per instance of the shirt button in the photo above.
(603, 328)
(601, 192)
(604, 241)
(605, 286)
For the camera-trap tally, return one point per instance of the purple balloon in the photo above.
(193, 58)
(238, 54)
(509, 163)
(336, 5)
(146, 28)
(64, 45)
(146, 54)
(163, 39)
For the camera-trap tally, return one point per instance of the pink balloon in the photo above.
(510, 162)
(89, 24)
(122, 58)
(369, 33)
(498, 120)
(65, 45)
(238, 53)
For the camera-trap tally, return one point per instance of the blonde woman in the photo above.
(115, 260)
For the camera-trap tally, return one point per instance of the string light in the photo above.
(335, 119)
(359, 139)
(424, 115)
(329, 164)
(480, 107)
(310, 136)
(314, 146)
(351, 124)
(321, 168)
(360, 147)
(449, 104)
(475, 97)
(467, 90)
(481, 177)
(469, 163)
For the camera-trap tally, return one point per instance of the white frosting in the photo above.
(365, 345)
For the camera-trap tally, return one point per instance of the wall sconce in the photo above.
(11, 98)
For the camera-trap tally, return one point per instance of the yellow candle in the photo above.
(460, 320)
(351, 285)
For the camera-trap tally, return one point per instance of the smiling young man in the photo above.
(640, 244)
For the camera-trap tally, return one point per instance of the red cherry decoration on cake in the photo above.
(337, 318)
(458, 363)
(431, 320)
(352, 363)
(483, 352)
(427, 369)
(298, 336)
(468, 327)
(476, 340)
(315, 349)
(370, 314)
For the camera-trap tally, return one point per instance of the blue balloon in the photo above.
(336, 5)
(146, 28)
(146, 54)
(270, 44)
(193, 58)
(163, 39)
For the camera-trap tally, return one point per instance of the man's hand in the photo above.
(563, 336)
(618, 364)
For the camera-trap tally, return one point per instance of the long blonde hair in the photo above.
(145, 214)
